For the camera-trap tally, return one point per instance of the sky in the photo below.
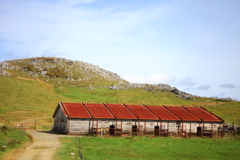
(193, 45)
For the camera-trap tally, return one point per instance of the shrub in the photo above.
(56, 72)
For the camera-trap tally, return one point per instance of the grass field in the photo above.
(96, 148)
(11, 138)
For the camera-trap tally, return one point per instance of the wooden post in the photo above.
(178, 128)
(121, 126)
(202, 133)
(182, 129)
(160, 128)
(145, 127)
(222, 130)
(190, 129)
(211, 130)
(115, 128)
(138, 126)
(97, 128)
(92, 126)
(167, 127)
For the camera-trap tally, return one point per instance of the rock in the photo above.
(6, 65)
(3, 148)
(4, 73)
(43, 73)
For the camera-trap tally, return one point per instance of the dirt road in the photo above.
(43, 147)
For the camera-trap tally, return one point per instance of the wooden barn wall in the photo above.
(79, 125)
(60, 122)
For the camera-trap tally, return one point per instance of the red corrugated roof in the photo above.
(76, 110)
(203, 114)
(163, 113)
(182, 113)
(142, 112)
(99, 111)
(120, 111)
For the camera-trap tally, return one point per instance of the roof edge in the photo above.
(193, 114)
(109, 110)
(172, 112)
(55, 112)
(87, 110)
(131, 111)
(152, 112)
(212, 114)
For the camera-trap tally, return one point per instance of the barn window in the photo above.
(170, 121)
(149, 121)
(103, 120)
(83, 119)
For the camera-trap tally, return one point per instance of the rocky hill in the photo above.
(64, 72)
(60, 71)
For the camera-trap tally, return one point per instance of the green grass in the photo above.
(131, 96)
(95, 148)
(11, 138)
(23, 99)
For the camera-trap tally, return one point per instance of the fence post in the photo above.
(80, 154)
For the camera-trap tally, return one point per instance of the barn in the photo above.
(122, 119)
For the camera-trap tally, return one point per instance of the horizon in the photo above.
(190, 45)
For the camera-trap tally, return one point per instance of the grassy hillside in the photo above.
(23, 98)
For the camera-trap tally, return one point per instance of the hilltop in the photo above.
(60, 71)
(64, 72)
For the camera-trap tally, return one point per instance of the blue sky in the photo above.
(193, 45)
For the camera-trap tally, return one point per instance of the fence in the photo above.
(78, 141)
(24, 125)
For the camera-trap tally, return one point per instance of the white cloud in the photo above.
(220, 95)
(186, 82)
(228, 85)
(203, 87)
(152, 79)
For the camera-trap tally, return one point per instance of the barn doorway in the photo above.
(134, 130)
(112, 130)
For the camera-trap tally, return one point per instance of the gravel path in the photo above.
(43, 147)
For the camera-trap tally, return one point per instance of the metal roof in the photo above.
(203, 114)
(182, 113)
(163, 113)
(120, 111)
(99, 111)
(142, 112)
(76, 110)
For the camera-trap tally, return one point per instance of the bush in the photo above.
(12, 143)
(31, 68)
(56, 72)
